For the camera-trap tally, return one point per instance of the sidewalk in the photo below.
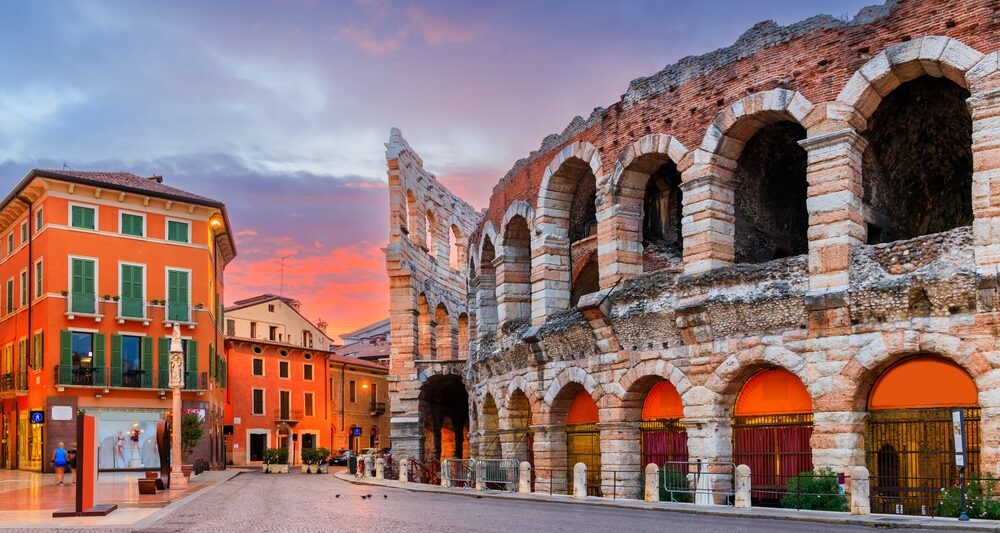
(825, 517)
(27, 499)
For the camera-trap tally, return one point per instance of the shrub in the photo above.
(309, 456)
(191, 433)
(276, 456)
(982, 499)
(322, 455)
(818, 491)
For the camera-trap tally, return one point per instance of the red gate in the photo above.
(776, 448)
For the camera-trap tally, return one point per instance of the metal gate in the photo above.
(498, 474)
(776, 448)
(911, 456)
(583, 445)
(663, 441)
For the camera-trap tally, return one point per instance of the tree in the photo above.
(191, 433)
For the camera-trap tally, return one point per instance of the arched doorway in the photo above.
(489, 446)
(663, 438)
(909, 445)
(771, 430)
(519, 423)
(444, 407)
(583, 441)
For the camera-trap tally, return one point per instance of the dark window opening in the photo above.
(661, 207)
(583, 209)
(586, 282)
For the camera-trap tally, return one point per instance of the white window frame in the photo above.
(312, 370)
(263, 367)
(25, 230)
(10, 243)
(69, 279)
(166, 230)
(9, 294)
(39, 288)
(25, 292)
(97, 216)
(122, 213)
(288, 365)
(145, 286)
(166, 290)
(310, 404)
(257, 431)
(39, 214)
(263, 401)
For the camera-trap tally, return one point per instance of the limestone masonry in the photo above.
(821, 199)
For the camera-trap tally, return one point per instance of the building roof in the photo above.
(263, 298)
(365, 349)
(378, 328)
(331, 356)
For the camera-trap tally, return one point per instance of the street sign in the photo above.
(37, 417)
(356, 431)
(958, 432)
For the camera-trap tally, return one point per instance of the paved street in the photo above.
(254, 502)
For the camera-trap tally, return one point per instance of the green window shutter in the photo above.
(147, 362)
(65, 356)
(40, 351)
(131, 297)
(177, 231)
(191, 365)
(225, 374)
(116, 360)
(100, 368)
(177, 295)
(211, 361)
(132, 225)
(163, 366)
(83, 217)
(82, 286)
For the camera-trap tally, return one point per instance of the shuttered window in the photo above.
(82, 217)
(178, 298)
(132, 304)
(132, 224)
(83, 296)
(178, 231)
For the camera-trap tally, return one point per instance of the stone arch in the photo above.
(648, 165)
(456, 248)
(489, 424)
(432, 234)
(488, 233)
(486, 284)
(932, 55)
(586, 276)
(731, 374)
(445, 413)
(514, 263)
(523, 385)
(642, 372)
(559, 198)
(415, 220)
(567, 376)
(445, 332)
(425, 331)
(463, 336)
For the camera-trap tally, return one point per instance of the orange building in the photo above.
(289, 390)
(95, 268)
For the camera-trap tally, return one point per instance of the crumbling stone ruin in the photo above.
(797, 236)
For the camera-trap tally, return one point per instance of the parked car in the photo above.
(341, 458)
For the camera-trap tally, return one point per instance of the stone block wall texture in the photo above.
(836, 315)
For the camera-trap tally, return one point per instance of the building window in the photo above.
(24, 288)
(10, 295)
(178, 231)
(178, 295)
(131, 362)
(353, 391)
(38, 278)
(82, 217)
(258, 401)
(272, 333)
(24, 232)
(270, 308)
(132, 224)
(283, 369)
(83, 295)
(285, 404)
(83, 350)
(132, 302)
(230, 327)
(258, 366)
(39, 220)
(374, 392)
(308, 407)
(307, 372)
(253, 330)
(10, 243)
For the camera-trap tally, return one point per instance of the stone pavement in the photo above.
(254, 501)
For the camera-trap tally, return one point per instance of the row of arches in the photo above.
(906, 444)
(442, 239)
(438, 336)
(743, 195)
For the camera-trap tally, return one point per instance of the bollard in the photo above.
(445, 474)
(475, 472)
(524, 477)
(380, 468)
(860, 490)
(742, 497)
(580, 480)
(652, 489)
(404, 470)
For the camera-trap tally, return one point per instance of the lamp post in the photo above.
(177, 478)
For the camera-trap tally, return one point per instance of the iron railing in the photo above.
(287, 414)
(458, 473)
(83, 303)
(132, 308)
(377, 408)
(428, 472)
(193, 380)
(132, 378)
(551, 481)
(624, 484)
(583, 445)
(700, 482)
(81, 376)
(7, 382)
(498, 474)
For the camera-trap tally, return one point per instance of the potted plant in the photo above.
(191, 433)
(116, 298)
(276, 460)
(308, 460)
(322, 458)
(64, 292)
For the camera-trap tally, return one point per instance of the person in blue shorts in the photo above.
(60, 461)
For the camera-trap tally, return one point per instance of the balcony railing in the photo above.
(132, 308)
(22, 380)
(178, 312)
(81, 376)
(378, 408)
(133, 378)
(193, 380)
(288, 415)
(7, 382)
(83, 303)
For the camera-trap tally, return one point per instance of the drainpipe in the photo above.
(30, 289)
(343, 398)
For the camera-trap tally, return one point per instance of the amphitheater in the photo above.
(783, 253)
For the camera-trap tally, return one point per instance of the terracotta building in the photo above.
(783, 253)
(96, 267)
(289, 389)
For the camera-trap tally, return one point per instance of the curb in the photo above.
(822, 517)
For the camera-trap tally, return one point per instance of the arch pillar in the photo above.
(989, 401)
(514, 281)
(550, 272)
(708, 224)
(550, 458)
(620, 455)
(834, 203)
(985, 109)
(619, 239)
(838, 439)
(486, 304)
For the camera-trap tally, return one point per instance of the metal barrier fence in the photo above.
(698, 482)
(498, 474)
(819, 491)
(458, 473)
(390, 468)
(428, 472)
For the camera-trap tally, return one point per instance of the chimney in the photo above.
(321, 325)
(157, 179)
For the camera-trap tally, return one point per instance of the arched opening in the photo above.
(661, 217)
(514, 277)
(429, 238)
(413, 216)
(663, 437)
(463, 336)
(909, 444)
(489, 447)
(487, 294)
(770, 200)
(519, 423)
(404, 219)
(425, 334)
(443, 332)
(586, 279)
(917, 168)
(575, 408)
(444, 406)
(771, 430)
(454, 248)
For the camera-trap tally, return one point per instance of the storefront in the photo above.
(126, 438)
